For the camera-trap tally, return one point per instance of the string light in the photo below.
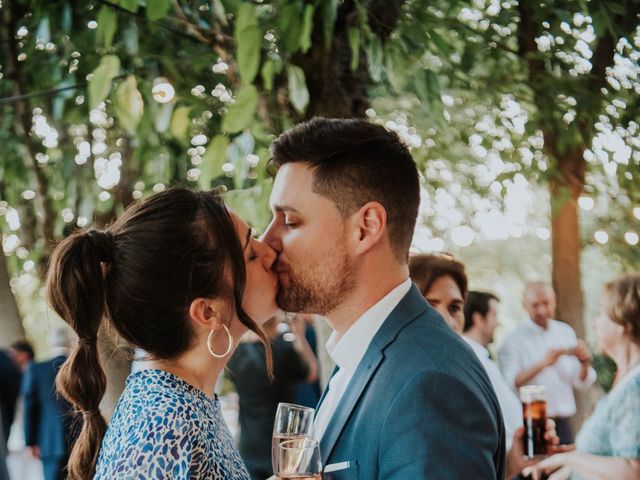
(543, 233)
(601, 237)
(586, 203)
(462, 236)
(162, 91)
(631, 238)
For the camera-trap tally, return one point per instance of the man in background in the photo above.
(480, 322)
(48, 418)
(544, 351)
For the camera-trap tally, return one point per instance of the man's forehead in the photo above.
(292, 189)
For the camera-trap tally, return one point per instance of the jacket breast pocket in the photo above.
(347, 470)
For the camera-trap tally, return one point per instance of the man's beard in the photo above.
(319, 292)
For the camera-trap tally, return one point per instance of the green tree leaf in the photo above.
(157, 9)
(307, 28)
(354, 45)
(374, 58)
(128, 104)
(219, 12)
(162, 117)
(267, 73)
(100, 84)
(107, 24)
(241, 113)
(131, 5)
(212, 161)
(249, 42)
(290, 26)
(440, 42)
(298, 93)
(180, 122)
(247, 15)
(329, 15)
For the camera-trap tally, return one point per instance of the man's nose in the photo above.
(271, 237)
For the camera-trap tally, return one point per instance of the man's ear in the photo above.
(370, 227)
(207, 313)
(477, 319)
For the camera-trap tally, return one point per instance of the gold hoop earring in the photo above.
(230, 340)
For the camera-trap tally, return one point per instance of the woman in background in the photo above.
(182, 278)
(608, 444)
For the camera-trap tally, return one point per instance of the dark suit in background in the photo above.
(10, 378)
(48, 418)
(419, 406)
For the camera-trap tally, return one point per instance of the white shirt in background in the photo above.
(527, 345)
(509, 403)
(347, 352)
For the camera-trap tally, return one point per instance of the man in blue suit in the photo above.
(48, 418)
(408, 399)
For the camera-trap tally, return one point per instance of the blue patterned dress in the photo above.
(613, 430)
(165, 428)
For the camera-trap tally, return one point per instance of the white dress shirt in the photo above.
(527, 345)
(509, 403)
(347, 352)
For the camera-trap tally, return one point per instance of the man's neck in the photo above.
(476, 337)
(365, 296)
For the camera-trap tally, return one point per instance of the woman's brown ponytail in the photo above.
(76, 291)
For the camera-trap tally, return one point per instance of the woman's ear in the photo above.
(207, 313)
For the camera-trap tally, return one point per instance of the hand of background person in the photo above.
(582, 352)
(34, 452)
(552, 356)
(555, 465)
(516, 459)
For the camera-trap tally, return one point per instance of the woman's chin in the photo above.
(266, 314)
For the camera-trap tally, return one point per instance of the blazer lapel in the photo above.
(412, 305)
(359, 381)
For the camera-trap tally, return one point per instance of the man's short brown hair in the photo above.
(356, 162)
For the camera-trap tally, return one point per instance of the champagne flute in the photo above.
(292, 422)
(299, 459)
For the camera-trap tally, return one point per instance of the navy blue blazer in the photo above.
(419, 406)
(48, 418)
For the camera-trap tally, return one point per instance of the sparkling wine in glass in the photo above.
(293, 422)
(299, 459)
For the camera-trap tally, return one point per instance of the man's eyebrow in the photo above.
(285, 208)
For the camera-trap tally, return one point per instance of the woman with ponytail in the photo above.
(181, 278)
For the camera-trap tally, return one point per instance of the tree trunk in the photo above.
(10, 322)
(565, 190)
(565, 269)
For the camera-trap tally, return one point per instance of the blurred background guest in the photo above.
(13, 362)
(443, 282)
(48, 418)
(308, 393)
(259, 395)
(480, 322)
(544, 351)
(608, 444)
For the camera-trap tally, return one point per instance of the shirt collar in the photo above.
(348, 350)
(479, 350)
(537, 328)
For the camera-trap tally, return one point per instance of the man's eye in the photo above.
(252, 255)
(454, 309)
